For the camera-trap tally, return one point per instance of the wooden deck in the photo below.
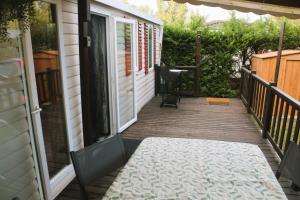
(194, 118)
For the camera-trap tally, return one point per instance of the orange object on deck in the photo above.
(218, 101)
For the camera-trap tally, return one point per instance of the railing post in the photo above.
(242, 83)
(250, 91)
(196, 82)
(50, 85)
(157, 79)
(267, 115)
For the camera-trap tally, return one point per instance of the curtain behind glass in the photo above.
(98, 77)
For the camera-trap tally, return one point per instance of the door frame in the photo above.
(33, 145)
(51, 187)
(99, 11)
(134, 71)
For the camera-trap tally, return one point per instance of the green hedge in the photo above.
(224, 50)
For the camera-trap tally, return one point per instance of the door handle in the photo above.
(36, 110)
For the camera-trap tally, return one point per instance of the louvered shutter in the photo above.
(154, 43)
(128, 64)
(146, 48)
(140, 46)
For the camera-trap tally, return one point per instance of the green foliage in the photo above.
(171, 12)
(178, 46)
(14, 10)
(197, 23)
(223, 51)
(216, 67)
(43, 26)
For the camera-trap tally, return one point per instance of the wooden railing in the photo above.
(49, 86)
(244, 86)
(277, 113)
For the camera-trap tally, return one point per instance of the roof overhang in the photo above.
(130, 10)
(287, 8)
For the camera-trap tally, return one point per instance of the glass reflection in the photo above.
(49, 85)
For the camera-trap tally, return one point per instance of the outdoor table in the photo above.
(195, 70)
(173, 168)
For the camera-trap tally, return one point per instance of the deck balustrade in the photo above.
(277, 113)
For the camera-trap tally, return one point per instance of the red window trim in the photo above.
(146, 47)
(140, 47)
(154, 45)
(128, 58)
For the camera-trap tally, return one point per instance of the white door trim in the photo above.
(34, 146)
(57, 183)
(98, 10)
(134, 45)
(36, 119)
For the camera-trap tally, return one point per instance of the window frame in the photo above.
(150, 46)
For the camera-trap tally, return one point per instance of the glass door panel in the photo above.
(48, 78)
(99, 78)
(125, 74)
(16, 152)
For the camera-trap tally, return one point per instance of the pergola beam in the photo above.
(274, 7)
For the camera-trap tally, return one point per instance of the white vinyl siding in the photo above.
(145, 83)
(71, 53)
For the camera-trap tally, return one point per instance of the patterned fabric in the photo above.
(165, 168)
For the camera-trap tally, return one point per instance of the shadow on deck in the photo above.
(194, 118)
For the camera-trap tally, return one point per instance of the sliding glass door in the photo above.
(43, 57)
(19, 176)
(48, 79)
(125, 72)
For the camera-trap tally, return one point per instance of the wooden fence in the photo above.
(49, 86)
(277, 113)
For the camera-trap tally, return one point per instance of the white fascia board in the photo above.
(133, 11)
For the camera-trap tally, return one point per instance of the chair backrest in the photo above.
(290, 164)
(98, 159)
(168, 78)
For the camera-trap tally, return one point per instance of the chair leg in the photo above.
(83, 193)
(278, 174)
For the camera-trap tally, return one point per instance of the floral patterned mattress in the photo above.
(173, 168)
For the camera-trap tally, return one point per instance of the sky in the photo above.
(210, 13)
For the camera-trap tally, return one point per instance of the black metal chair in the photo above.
(290, 165)
(100, 159)
(170, 87)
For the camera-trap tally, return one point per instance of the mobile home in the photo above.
(41, 96)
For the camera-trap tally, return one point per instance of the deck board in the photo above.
(194, 118)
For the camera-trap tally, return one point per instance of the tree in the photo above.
(145, 9)
(224, 50)
(44, 36)
(17, 10)
(171, 12)
(196, 22)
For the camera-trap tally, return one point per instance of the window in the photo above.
(128, 58)
(125, 77)
(150, 46)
